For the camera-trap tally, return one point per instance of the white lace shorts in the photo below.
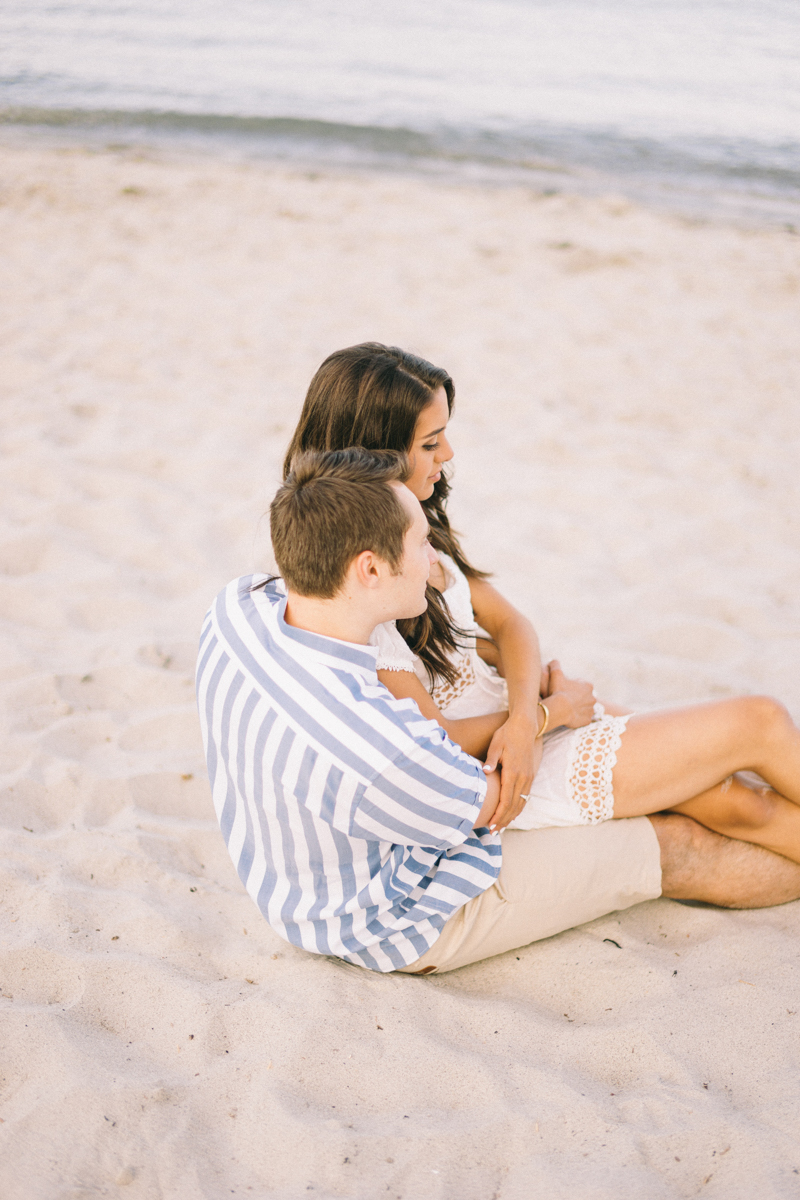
(574, 784)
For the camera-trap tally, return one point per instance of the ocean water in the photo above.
(690, 103)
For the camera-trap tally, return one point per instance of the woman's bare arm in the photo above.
(569, 701)
(516, 644)
(490, 654)
(472, 734)
(514, 744)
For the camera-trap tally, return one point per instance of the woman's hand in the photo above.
(516, 750)
(570, 701)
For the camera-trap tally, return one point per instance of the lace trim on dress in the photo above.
(444, 693)
(592, 758)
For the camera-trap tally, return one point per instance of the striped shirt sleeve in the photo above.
(429, 795)
(423, 798)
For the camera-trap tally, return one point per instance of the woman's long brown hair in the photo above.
(372, 396)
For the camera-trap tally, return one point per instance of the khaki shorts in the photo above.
(550, 880)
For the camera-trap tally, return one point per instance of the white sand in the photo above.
(627, 450)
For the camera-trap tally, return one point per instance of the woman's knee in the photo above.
(758, 720)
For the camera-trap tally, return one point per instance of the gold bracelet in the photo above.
(546, 712)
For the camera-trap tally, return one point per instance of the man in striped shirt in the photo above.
(358, 828)
(355, 824)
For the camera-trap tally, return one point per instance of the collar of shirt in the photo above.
(309, 647)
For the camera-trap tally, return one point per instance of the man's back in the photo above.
(348, 816)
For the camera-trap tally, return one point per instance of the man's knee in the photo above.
(686, 848)
(698, 864)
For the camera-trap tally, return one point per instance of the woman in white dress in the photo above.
(471, 662)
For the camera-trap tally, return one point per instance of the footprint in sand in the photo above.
(177, 732)
(702, 641)
(23, 556)
(75, 737)
(173, 794)
(170, 656)
(36, 976)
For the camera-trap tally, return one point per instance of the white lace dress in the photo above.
(573, 785)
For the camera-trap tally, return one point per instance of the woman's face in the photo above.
(430, 447)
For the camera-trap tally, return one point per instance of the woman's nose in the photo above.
(445, 452)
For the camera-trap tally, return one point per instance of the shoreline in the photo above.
(572, 163)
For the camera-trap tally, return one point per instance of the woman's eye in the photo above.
(435, 446)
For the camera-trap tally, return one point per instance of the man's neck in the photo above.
(338, 618)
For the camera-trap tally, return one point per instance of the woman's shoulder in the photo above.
(453, 574)
(393, 651)
(456, 592)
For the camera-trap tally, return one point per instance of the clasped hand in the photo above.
(570, 701)
(515, 748)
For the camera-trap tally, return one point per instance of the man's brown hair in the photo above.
(332, 506)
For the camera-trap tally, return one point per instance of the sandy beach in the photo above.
(626, 438)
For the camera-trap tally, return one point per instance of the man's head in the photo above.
(343, 524)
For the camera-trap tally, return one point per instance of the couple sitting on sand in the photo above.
(397, 780)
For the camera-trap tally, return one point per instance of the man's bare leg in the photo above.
(698, 864)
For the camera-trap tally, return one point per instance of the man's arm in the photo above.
(472, 734)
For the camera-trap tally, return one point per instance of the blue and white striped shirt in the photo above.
(347, 815)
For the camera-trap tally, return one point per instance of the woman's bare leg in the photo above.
(667, 758)
(681, 760)
(616, 710)
(761, 816)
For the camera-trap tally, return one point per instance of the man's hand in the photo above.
(573, 700)
(516, 751)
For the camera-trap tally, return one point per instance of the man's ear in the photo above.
(367, 568)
